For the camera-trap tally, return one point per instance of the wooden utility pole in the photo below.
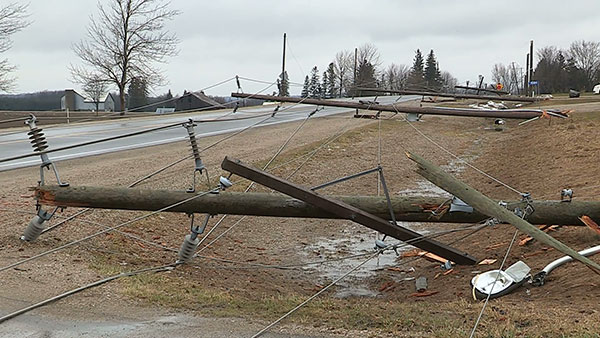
(456, 96)
(354, 91)
(491, 208)
(283, 60)
(527, 77)
(531, 65)
(466, 112)
(346, 211)
(406, 209)
(482, 89)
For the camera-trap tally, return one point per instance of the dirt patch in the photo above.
(540, 157)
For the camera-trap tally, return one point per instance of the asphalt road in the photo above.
(14, 144)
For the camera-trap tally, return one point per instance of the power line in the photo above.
(456, 156)
(248, 189)
(337, 280)
(85, 287)
(117, 114)
(105, 231)
(487, 299)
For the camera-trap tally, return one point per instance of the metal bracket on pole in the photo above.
(378, 169)
(38, 141)
(346, 211)
(199, 166)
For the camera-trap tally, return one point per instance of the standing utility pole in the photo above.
(283, 61)
(283, 84)
(354, 92)
(531, 64)
(526, 84)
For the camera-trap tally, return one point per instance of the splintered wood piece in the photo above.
(488, 261)
(590, 223)
(424, 294)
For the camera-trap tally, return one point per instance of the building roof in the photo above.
(201, 96)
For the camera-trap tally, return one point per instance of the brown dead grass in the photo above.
(540, 157)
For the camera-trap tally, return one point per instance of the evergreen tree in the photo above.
(325, 86)
(416, 78)
(137, 93)
(283, 83)
(305, 88)
(365, 77)
(432, 74)
(332, 89)
(314, 87)
(556, 74)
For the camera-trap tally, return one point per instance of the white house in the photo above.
(75, 101)
(597, 89)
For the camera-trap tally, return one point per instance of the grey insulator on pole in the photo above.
(188, 248)
(34, 229)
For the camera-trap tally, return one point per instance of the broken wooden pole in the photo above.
(491, 208)
(452, 95)
(406, 209)
(523, 114)
(346, 211)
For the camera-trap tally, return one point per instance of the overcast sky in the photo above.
(220, 39)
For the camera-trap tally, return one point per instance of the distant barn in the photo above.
(197, 100)
(74, 101)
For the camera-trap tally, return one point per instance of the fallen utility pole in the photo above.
(491, 208)
(483, 90)
(456, 96)
(406, 209)
(346, 211)
(523, 114)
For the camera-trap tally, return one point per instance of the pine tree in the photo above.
(137, 93)
(325, 86)
(283, 83)
(416, 78)
(365, 78)
(305, 88)
(331, 78)
(314, 87)
(432, 73)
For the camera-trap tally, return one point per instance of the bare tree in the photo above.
(12, 19)
(515, 73)
(547, 53)
(396, 76)
(586, 56)
(343, 65)
(126, 40)
(448, 81)
(369, 53)
(93, 86)
(500, 73)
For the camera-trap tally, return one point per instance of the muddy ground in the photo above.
(541, 157)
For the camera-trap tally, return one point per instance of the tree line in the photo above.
(557, 70)
(350, 71)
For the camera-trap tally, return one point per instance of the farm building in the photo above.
(194, 100)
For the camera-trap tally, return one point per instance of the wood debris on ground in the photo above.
(488, 261)
(545, 228)
(590, 223)
(424, 294)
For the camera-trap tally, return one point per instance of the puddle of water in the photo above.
(353, 244)
(363, 242)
